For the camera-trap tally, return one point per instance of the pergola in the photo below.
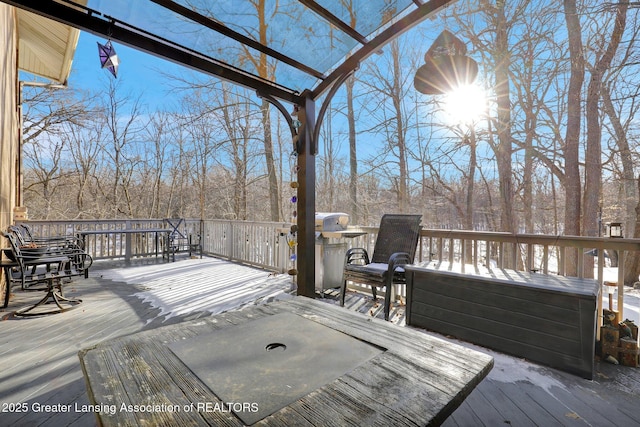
(292, 52)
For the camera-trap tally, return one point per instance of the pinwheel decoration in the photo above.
(108, 57)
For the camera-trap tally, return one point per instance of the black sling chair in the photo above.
(395, 246)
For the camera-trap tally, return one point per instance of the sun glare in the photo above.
(466, 104)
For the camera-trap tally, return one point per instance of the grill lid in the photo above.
(331, 221)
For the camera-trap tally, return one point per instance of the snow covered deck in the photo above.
(42, 383)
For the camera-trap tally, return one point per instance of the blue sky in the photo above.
(140, 73)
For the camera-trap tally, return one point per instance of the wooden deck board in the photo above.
(40, 362)
(480, 408)
(583, 406)
(499, 400)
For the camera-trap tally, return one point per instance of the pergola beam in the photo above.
(374, 45)
(95, 23)
(222, 29)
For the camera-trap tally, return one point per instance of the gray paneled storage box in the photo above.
(544, 318)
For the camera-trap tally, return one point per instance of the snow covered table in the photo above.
(294, 362)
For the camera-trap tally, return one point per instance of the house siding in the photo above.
(8, 114)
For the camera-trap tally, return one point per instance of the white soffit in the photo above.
(45, 47)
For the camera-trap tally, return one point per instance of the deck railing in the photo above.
(264, 244)
(113, 245)
(564, 255)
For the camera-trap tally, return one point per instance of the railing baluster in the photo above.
(463, 254)
(451, 245)
(545, 259)
(580, 258)
(475, 253)
(621, 257)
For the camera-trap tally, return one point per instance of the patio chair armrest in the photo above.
(79, 257)
(43, 260)
(398, 259)
(79, 262)
(357, 256)
(86, 261)
(76, 257)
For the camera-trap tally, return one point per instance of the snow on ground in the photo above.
(207, 284)
(215, 286)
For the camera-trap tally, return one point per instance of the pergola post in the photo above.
(306, 197)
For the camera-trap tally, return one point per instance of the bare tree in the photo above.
(44, 162)
(532, 76)
(353, 153)
(121, 116)
(84, 155)
(573, 182)
(387, 86)
(201, 123)
(326, 179)
(503, 125)
(46, 114)
(156, 161)
(242, 130)
(593, 160)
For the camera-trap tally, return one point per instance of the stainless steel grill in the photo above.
(331, 245)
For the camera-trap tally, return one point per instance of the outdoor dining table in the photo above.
(295, 362)
(128, 232)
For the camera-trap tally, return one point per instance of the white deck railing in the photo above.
(107, 246)
(264, 244)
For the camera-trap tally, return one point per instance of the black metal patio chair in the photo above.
(31, 266)
(180, 239)
(63, 243)
(67, 245)
(395, 247)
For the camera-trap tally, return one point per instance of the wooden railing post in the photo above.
(127, 244)
(621, 256)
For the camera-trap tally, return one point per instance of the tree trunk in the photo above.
(504, 150)
(403, 192)
(572, 183)
(593, 156)
(353, 154)
(471, 182)
(274, 190)
(632, 260)
(263, 71)
(626, 159)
